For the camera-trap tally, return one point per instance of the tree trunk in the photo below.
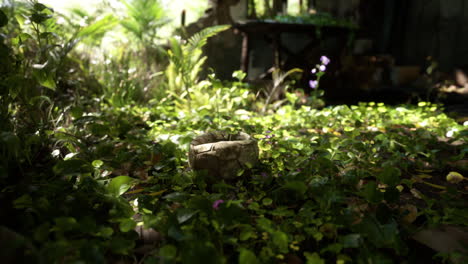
(252, 10)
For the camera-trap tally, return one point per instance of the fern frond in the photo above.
(199, 40)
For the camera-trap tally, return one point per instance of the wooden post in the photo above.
(182, 18)
(276, 50)
(245, 53)
(267, 8)
(310, 5)
(277, 7)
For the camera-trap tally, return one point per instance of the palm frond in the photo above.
(143, 17)
(98, 28)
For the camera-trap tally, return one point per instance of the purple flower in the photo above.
(267, 136)
(217, 203)
(268, 131)
(325, 60)
(313, 71)
(264, 174)
(322, 68)
(313, 84)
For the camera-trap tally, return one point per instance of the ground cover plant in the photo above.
(84, 169)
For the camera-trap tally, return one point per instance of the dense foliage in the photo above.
(90, 155)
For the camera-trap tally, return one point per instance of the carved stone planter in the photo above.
(223, 155)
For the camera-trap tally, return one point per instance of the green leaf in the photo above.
(379, 258)
(199, 40)
(38, 18)
(380, 235)
(24, 36)
(42, 232)
(99, 27)
(175, 232)
(77, 112)
(313, 258)
(71, 166)
(97, 163)
(176, 196)
(372, 193)
(46, 35)
(265, 224)
(11, 142)
(184, 214)
(20, 39)
(39, 7)
(45, 78)
(3, 19)
(239, 75)
(390, 176)
(168, 252)
(334, 248)
(119, 185)
(392, 195)
(40, 100)
(247, 257)
(127, 225)
(351, 240)
(176, 48)
(246, 233)
(105, 231)
(23, 201)
(280, 239)
(267, 201)
(65, 223)
(120, 245)
(298, 187)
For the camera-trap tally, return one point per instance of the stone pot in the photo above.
(223, 155)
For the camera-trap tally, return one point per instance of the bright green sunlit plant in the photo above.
(186, 61)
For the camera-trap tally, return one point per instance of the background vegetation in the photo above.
(93, 144)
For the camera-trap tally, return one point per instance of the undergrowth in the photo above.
(84, 166)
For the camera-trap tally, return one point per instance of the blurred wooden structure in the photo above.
(409, 31)
(271, 32)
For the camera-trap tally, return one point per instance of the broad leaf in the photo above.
(119, 185)
(184, 214)
(127, 225)
(98, 27)
(247, 257)
(390, 176)
(280, 239)
(45, 78)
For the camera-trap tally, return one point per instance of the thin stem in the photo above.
(38, 34)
